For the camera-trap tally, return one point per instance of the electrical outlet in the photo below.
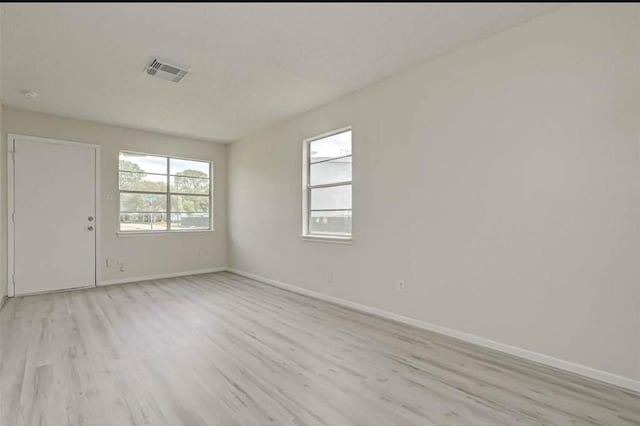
(330, 277)
(110, 262)
(401, 286)
(121, 264)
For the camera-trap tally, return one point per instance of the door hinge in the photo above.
(13, 217)
(13, 279)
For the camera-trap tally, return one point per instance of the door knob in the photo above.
(90, 218)
(90, 228)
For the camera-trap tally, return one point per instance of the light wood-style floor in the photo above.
(219, 349)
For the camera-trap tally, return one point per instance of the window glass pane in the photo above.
(148, 209)
(189, 167)
(143, 221)
(333, 223)
(331, 171)
(143, 182)
(142, 163)
(142, 202)
(189, 204)
(332, 198)
(333, 146)
(189, 185)
(190, 221)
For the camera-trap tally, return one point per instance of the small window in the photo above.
(164, 193)
(327, 185)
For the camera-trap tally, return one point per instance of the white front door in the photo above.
(54, 207)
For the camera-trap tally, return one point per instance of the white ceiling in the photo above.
(253, 64)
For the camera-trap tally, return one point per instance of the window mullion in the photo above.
(187, 194)
(330, 185)
(141, 173)
(329, 159)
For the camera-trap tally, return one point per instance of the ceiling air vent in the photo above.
(166, 71)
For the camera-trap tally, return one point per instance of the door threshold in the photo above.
(56, 291)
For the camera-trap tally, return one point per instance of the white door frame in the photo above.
(11, 137)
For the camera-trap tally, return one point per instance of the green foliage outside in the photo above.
(190, 182)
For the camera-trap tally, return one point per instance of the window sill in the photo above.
(128, 234)
(327, 239)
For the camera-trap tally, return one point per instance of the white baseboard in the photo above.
(161, 276)
(582, 370)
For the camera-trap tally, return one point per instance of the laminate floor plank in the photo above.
(221, 349)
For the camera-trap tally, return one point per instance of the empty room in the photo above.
(319, 214)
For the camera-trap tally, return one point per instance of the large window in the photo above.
(164, 193)
(327, 185)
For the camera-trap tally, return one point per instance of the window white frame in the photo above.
(307, 187)
(168, 194)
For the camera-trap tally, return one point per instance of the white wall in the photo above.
(501, 181)
(143, 255)
(3, 184)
